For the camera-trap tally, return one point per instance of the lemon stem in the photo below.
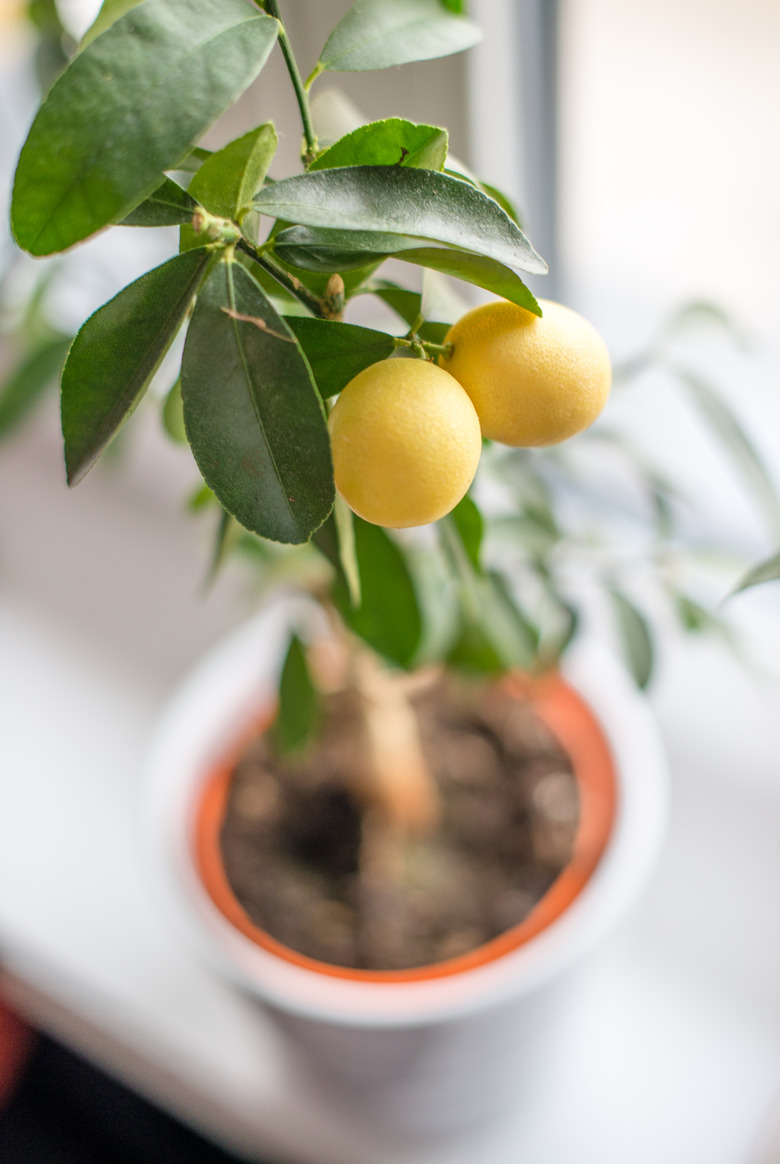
(423, 348)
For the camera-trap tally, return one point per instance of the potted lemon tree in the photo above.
(420, 825)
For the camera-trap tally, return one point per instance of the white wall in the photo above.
(670, 165)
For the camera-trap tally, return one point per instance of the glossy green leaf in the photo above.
(129, 107)
(117, 352)
(766, 571)
(201, 498)
(391, 142)
(26, 383)
(458, 169)
(296, 718)
(110, 11)
(388, 617)
(318, 249)
(735, 440)
(168, 205)
(376, 34)
(338, 351)
(227, 537)
(635, 637)
(402, 200)
(173, 414)
(406, 304)
(194, 160)
(506, 203)
(228, 180)
(469, 526)
(254, 419)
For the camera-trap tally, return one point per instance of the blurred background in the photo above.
(639, 141)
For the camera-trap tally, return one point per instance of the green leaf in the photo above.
(228, 180)
(109, 13)
(440, 300)
(168, 205)
(495, 636)
(692, 615)
(513, 636)
(194, 160)
(296, 718)
(473, 653)
(388, 617)
(469, 526)
(128, 108)
(406, 201)
(635, 636)
(458, 169)
(733, 437)
(338, 351)
(506, 203)
(319, 249)
(173, 414)
(27, 382)
(406, 304)
(117, 352)
(767, 571)
(254, 419)
(391, 142)
(227, 536)
(201, 498)
(376, 34)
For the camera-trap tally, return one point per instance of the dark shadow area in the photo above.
(66, 1111)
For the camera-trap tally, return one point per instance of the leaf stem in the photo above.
(301, 93)
(289, 282)
(318, 68)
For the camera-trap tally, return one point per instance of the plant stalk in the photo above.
(289, 282)
(301, 94)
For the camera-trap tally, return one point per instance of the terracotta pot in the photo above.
(423, 1050)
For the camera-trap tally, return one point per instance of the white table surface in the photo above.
(674, 1052)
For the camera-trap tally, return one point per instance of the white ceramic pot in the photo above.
(419, 1056)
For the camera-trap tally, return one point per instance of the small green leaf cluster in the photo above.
(126, 114)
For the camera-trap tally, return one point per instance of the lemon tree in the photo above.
(315, 436)
(533, 380)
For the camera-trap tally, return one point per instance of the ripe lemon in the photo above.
(406, 443)
(532, 381)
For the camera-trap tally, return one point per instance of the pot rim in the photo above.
(572, 723)
(202, 725)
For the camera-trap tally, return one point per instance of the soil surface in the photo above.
(291, 839)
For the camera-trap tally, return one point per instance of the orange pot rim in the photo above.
(571, 721)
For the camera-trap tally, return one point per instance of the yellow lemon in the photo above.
(532, 381)
(406, 443)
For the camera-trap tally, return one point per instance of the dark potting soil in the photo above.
(292, 833)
